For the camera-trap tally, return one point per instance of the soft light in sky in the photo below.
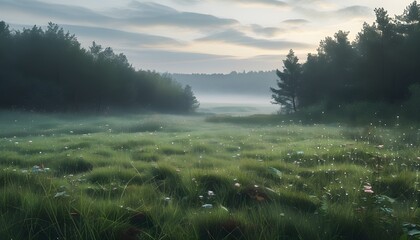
(201, 36)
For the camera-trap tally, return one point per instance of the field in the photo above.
(155, 176)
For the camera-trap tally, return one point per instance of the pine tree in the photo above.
(288, 83)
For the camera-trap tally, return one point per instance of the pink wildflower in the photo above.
(368, 189)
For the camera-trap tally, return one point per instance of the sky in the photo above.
(201, 36)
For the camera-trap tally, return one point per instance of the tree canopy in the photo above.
(47, 70)
(380, 65)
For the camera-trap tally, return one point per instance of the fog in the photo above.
(246, 83)
(235, 104)
(234, 94)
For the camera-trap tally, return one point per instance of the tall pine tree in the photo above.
(286, 94)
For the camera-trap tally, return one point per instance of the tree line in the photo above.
(381, 65)
(50, 71)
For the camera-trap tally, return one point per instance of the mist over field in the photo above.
(251, 84)
(324, 144)
(235, 93)
(237, 105)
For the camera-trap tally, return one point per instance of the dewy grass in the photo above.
(176, 177)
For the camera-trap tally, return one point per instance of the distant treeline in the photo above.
(49, 71)
(381, 65)
(237, 83)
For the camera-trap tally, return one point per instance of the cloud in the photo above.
(275, 3)
(180, 61)
(265, 31)
(135, 14)
(187, 2)
(239, 38)
(178, 56)
(295, 21)
(120, 37)
(305, 1)
(50, 10)
(349, 12)
(354, 11)
(153, 14)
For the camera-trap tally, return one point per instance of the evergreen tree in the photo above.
(411, 13)
(286, 94)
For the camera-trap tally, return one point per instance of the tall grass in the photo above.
(174, 177)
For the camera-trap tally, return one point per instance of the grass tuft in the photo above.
(73, 166)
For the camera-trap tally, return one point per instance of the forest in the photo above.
(379, 70)
(48, 70)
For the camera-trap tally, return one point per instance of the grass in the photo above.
(197, 177)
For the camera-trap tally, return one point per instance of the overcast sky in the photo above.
(200, 36)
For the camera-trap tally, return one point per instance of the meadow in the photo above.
(156, 176)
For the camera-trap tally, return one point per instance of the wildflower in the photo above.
(367, 189)
(210, 193)
(237, 185)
